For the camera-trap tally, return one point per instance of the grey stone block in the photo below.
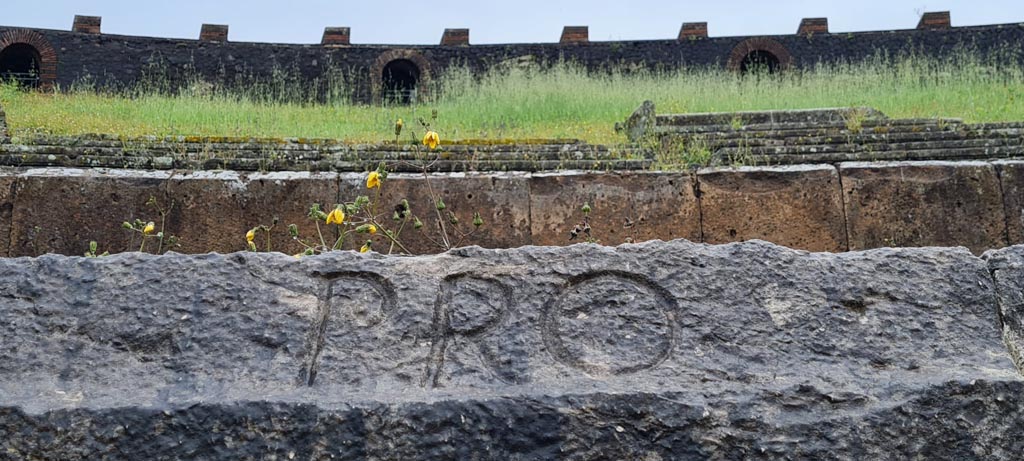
(652, 351)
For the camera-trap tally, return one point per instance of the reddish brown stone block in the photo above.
(336, 36)
(455, 37)
(909, 204)
(213, 211)
(659, 206)
(575, 34)
(935, 20)
(7, 181)
(502, 200)
(87, 24)
(811, 26)
(798, 207)
(1011, 177)
(213, 33)
(59, 210)
(693, 30)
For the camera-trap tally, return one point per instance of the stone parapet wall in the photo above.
(652, 351)
(849, 206)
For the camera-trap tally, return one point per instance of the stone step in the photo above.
(842, 138)
(810, 116)
(795, 129)
(998, 152)
(322, 164)
(285, 141)
(879, 147)
(579, 152)
(162, 146)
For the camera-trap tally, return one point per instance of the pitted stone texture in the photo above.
(799, 207)
(1011, 179)
(636, 205)
(61, 210)
(503, 201)
(923, 204)
(660, 350)
(7, 181)
(1007, 266)
(213, 211)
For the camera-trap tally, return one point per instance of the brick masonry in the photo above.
(813, 26)
(972, 204)
(213, 33)
(575, 34)
(336, 36)
(935, 20)
(455, 37)
(87, 24)
(693, 30)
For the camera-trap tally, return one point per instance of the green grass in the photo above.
(561, 102)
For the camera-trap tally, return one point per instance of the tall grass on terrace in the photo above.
(562, 101)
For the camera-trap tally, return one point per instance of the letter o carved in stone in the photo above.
(610, 323)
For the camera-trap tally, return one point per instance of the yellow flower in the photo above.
(431, 139)
(336, 216)
(373, 180)
(250, 236)
(365, 248)
(372, 229)
(150, 227)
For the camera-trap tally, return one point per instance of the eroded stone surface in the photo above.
(1011, 179)
(635, 206)
(61, 210)
(1007, 267)
(799, 207)
(213, 211)
(659, 350)
(503, 201)
(923, 204)
(7, 181)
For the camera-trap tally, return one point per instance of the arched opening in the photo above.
(759, 62)
(400, 79)
(20, 62)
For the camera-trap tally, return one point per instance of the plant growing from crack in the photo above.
(365, 217)
(148, 230)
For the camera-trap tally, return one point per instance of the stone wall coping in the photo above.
(912, 163)
(772, 168)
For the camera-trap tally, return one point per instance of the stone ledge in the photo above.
(664, 349)
(974, 204)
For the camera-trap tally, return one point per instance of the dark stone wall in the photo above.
(122, 60)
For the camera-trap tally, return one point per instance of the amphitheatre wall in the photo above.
(64, 57)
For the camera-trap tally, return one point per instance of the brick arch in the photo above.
(759, 44)
(47, 55)
(377, 71)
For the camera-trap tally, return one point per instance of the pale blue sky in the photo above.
(516, 21)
